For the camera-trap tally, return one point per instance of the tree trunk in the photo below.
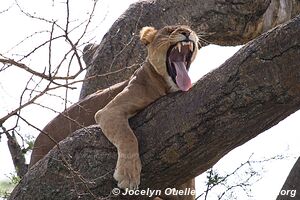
(291, 187)
(226, 22)
(17, 155)
(183, 132)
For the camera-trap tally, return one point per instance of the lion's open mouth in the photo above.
(178, 63)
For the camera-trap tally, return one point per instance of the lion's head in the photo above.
(171, 51)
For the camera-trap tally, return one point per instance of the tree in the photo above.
(234, 184)
(291, 185)
(248, 94)
(63, 40)
(225, 23)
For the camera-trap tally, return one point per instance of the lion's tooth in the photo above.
(179, 46)
(191, 46)
(185, 43)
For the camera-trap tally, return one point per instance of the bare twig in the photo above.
(51, 74)
(7, 9)
(215, 180)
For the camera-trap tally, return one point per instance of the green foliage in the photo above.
(236, 183)
(213, 177)
(14, 178)
(30, 144)
(29, 141)
(7, 186)
(5, 189)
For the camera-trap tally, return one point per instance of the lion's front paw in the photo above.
(128, 171)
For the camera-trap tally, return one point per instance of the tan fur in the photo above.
(149, 83)
(147, 34)
(77, 116)
(120, 102)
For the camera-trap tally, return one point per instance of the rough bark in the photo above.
(226, 22)
(17, 155)
(292, 183)
(183, 132)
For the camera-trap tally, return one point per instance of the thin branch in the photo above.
(39, 74)
(14, 112)
(25, 67)
(50, 49)
(64, 159)
(68, 17)
(7, 9)
(88, 21)
(30, 15)
(244, 184)
(25, 39)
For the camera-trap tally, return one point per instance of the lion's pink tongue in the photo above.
(182, 78)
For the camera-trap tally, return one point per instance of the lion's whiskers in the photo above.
(203, 42)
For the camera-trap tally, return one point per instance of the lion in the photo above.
(171, 50)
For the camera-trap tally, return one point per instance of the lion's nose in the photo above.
(186, 34)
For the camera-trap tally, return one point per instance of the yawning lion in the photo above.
(171, 51)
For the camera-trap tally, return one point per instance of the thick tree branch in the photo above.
(16, 153)
(232, 22)
(291, 187)
(183, 132)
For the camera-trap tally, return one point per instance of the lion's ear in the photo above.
(147, 34)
